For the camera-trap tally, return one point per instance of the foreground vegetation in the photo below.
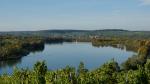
(109, 73)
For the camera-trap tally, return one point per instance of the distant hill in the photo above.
(83, 33)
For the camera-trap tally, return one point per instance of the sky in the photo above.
(32, 15)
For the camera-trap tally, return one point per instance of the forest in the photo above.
(136, 70)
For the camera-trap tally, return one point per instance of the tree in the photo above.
(81, 69)
(40, 70)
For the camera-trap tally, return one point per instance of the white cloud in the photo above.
(145, 2)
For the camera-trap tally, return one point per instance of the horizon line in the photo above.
(71, 30)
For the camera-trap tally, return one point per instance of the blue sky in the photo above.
(18, 15)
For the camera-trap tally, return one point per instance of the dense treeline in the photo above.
(108, 73)
(130, 44)
(16, 47)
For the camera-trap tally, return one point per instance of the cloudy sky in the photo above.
(18, 15)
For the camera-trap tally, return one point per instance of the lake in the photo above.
(69, 53)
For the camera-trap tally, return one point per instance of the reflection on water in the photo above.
(59, 55)
(119, 46)
(9, 63)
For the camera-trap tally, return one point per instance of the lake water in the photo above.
(60, 55)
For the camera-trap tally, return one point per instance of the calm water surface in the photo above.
(60, 55)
